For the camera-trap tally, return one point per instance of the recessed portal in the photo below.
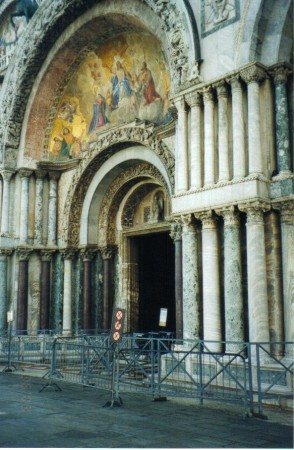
(156, 273)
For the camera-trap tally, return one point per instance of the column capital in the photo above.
(235, 82)
(286, 209)
(173, 112)
(208, 95)
(54, 175)
(23, 253)
(253, 74)
(194, 99)
(107, 251)
(280, 72)
(47, 254)
(68, 253)
(40, 174)
(207, 218)
(25, 172)
(221, 88)
(254, 211)
(4, 252)
(7, 174)
(88, 253)
(188, 222)
(180, 104)
(230, 215)
(176, 231)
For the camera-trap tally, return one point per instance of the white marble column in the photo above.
(68, 256)
(256, 272)
(209, 138)
(253, 75)
(238, 127)
(191, 291)
(24, 200)
(40, 175)
(4, 253)
(52, 216)
(6, 174)
(212, 322)
(181, 176)
(1, 197)
(234, 307)
(194, 100)
(223, 132)
(287, 229)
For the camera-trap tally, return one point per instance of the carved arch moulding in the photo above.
(182, 48)
(94, 156)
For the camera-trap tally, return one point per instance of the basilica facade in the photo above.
(146, 162)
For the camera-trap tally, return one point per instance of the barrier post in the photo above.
(9, 321)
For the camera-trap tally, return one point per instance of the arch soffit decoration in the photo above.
(94, 156)
(181, 48)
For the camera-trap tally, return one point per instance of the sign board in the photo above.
(117, 325)
(163, 317)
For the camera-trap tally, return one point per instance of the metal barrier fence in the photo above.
(161, 367)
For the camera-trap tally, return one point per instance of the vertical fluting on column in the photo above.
(253, 75)
(22, 291)
(287, 230)
(4, 253)
(223, 132)
(176, 235)
(45, 289)
(238, 127)
(6, 175)
(181, 176)
(191, 290)
(209, 138)
(281, 73)
(274, 280)
(87, 256)
(40, 175)
(194, 100)
(24, 201)
(107, 255)
(212, 322)
(256, 272)
(68, 255)
(52, 215)
(234, 307)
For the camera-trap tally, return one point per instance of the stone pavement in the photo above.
(75, 418)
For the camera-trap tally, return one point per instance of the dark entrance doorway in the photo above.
(156, 275)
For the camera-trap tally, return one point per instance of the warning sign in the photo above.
(117, 324)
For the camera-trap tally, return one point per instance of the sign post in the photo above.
(9, 321)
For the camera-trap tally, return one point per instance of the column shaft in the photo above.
(3, 292)
(194, 100)
(87, 295)
(67, 301)
(5, 202)
(178, 289)
(209, 145)
(24, 210)
(182, 147)
(52, 216)
(22, 297)
(45, 295)
(223, 133)
(39, 207)
(107, 293)
(239, 154)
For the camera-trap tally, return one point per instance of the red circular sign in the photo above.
(116, 336)
(119, 315)
(117, 325)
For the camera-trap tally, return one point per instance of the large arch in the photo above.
(172, 25)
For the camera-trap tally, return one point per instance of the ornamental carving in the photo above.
(230, 215)
(176, 231)
(255, 211)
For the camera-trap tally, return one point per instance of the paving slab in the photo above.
(75, 418)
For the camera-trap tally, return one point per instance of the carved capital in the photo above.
(221, 88)
(4, 252)
(40, 174)
(230, 215)
(46, 255)
(107, 252)
(68, 253)
(235, 82)
(176, 231)
(193, 99)
(207, 218)
(54, 175)
(25, 173)
(173, 112)
(23, 253)
(254, 211)
(87, 253)
(286, 209)
(208, 95)
(6, 174)
(180, 104)
(280, 72)
(253, 74)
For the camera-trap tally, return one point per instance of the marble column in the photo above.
(45, 291)
(223, 132)
(234, 307)
(182, 180)
(280, 73)
(212, 321)
(209, 138)
(6, 175)
(24, 210)
(87, 256)
(68, 255)
(253, 75)
(191, 290)
(107, 255)
(1, 197)
(194, 100)
(52, 215)
(274, 280)
(287, 230)
(256, 272)
(22, 292)
(238, 128)
(176, 235)
(40, 175)
(4, 253)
